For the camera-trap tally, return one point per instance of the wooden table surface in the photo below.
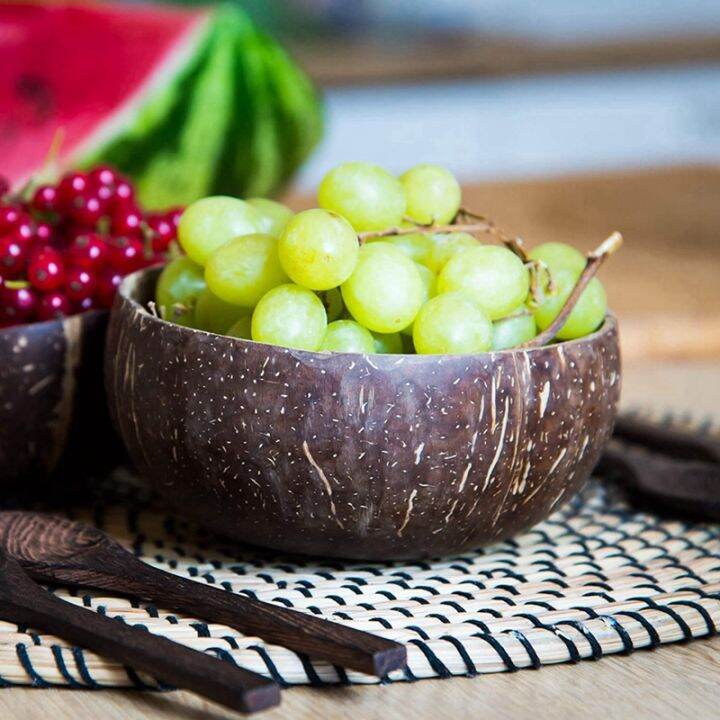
(670, 682)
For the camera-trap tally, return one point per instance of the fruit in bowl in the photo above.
(290, 430)
(64, 249)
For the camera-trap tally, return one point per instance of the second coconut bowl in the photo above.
(375, 457)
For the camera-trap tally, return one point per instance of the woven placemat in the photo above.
(598, 577)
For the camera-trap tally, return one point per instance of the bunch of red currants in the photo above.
(66, 247)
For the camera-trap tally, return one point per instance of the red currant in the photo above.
(88, 303)
(79, 284)
(17, 303)
(173, 215)
(163, 232)
(70, 187)
(44, 233)
(13, 255)
(87, 208)
(107, 286)
(45, 199)
(103, 175)
(126, 219)
(88, 251)
(10, 217)
(124, 192)
(25, 230)
(126, 255)
(53, 305)
(46, 270)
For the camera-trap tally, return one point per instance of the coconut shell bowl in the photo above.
(52, 405)
(375, 457)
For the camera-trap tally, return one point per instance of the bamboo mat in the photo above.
(597, 578)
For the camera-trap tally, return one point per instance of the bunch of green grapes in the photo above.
(366, 272)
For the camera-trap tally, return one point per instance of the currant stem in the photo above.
(594, 260)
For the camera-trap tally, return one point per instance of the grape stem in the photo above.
(481, 224)
(593, 262)
(422, 230)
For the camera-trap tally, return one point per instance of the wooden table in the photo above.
(673, 681)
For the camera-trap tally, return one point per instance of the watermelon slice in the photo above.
(186, 102)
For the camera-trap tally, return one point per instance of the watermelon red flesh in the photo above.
(79, 70)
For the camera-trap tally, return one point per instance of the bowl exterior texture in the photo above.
(53, 413)
(373, 457)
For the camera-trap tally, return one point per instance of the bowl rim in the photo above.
(53, 322)
(130, 282)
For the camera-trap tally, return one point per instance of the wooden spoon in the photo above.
(673, 483)
(53, 549)
(24, 602)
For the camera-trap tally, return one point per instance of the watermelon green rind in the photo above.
(298, 104)
(183, 171)
(265, 151)
(236, 165)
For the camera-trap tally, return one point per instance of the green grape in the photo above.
(241, 328)
(417, 247)
(513, 330)
(244, 269)
(558, 255)
(493, 276)
(385, 290)
(318, 249)
(586, 316)
(388, 343)
(451, 324)
(446, 245)
(179, 284)
(290, 316)
(349, 337)
(368, 196)
(215, 315)
(332, 300)
(275, 215)
(432, 192)
(209, 223)
(429, 280)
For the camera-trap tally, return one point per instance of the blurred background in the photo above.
(563, 119)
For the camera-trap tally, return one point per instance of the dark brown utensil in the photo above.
(24, 602)
(676, 484)
(53, 549)
(667, 439)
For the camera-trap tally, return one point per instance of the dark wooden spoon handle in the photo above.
(22, 601)
(54, 549)
(687, 486)
(292, 629)
(667, 439)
